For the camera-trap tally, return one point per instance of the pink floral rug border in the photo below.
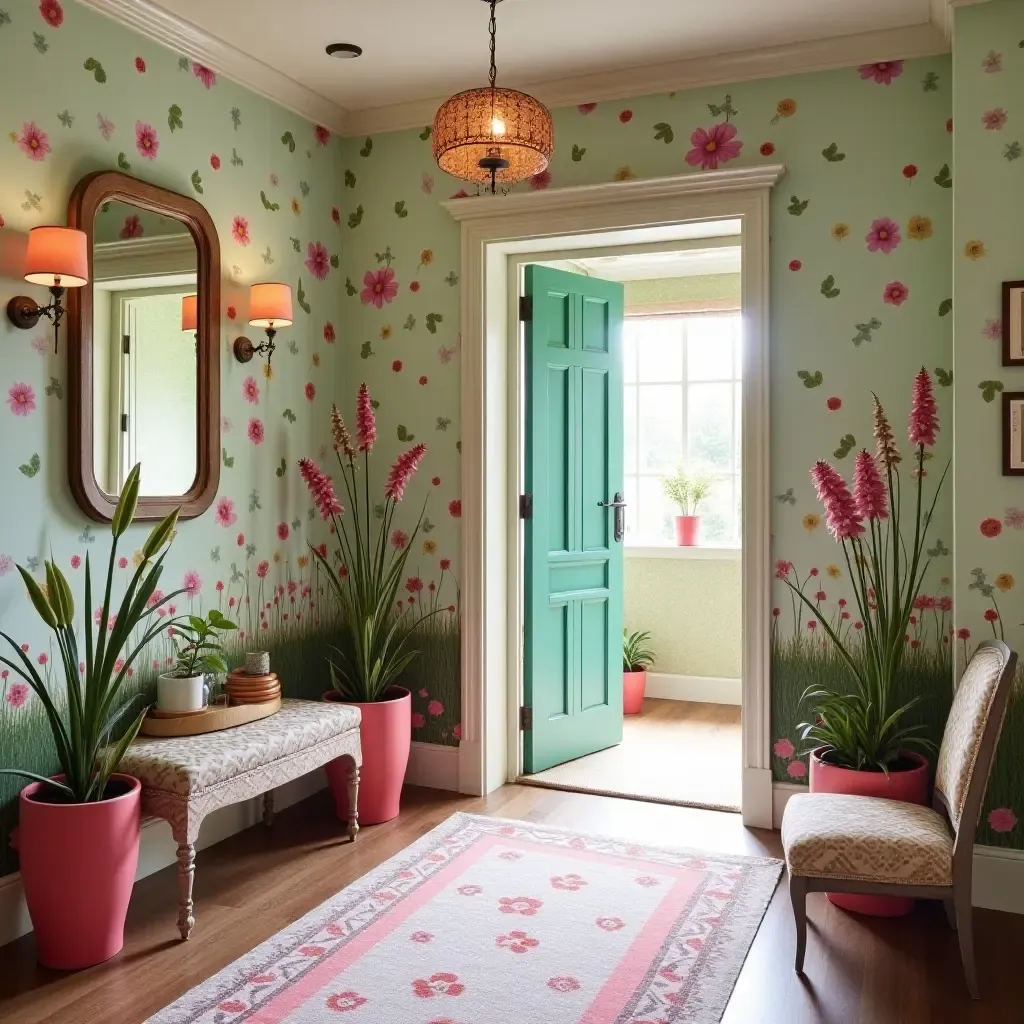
(688, 981)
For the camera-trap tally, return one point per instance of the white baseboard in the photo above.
(757, 798)
(704, 689)
(434, 766)
(998, 880)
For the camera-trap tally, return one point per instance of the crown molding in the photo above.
(613, 193)
(183, 37)
(698, 72)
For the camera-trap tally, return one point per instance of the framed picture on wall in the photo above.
(1013, 433)
(1013, 323)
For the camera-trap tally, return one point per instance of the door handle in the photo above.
(620, 514)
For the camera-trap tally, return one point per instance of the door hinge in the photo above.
(526, 308)
(526, 718)
(126, 344)
(124, 423)
(525, 506)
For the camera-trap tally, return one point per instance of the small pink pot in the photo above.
(78, 867)
(687, 531)
(910, 786)
(386, 737)
(633, 686)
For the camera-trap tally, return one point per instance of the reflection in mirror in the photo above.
(145, 345)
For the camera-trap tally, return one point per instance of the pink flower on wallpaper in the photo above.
(881, 73)
(33, 141)
(132, 227)
(993, 330)
(226, 514)
(457, 731)
(155, 598)
(52, 12)
(796, 769)
(414, 585)
(318, 261)
(140, 65)
(283, 531)
(399, 539)
(205, 75)
(587, 108)
(262, 569)
(146, 141)
(17, 694)
(1002, 819)
(310, 391)
(995, 120)
(1014, 519)
(22, 399)
(716, 145)
(41, 343)
(379, 286)
(256, 430)
(455, 508)
(990, 528)
(993, 63)
(122, 562)
(240, 230)
(329, 336)
(6, 564)
(215, 161)
(767, 148)
(418, 721)
(105, 126)
(540, 181)
(322, 134)
(251, 390)
(435, 708)
(192, 584)
(76, 561)
(884, 235)
(446, 353)
(783, 748)
(895, 293)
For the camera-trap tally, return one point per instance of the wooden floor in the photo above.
(674, 751)
(859, 971)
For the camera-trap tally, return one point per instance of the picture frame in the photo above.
(1013, 433)
(1013, 323)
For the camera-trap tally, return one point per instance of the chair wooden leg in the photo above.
(950, 908)
(798, 894)
(965, 932)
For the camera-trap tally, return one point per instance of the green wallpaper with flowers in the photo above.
(82, 93)
(988, 249)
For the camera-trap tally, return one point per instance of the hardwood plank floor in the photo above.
(859, 971)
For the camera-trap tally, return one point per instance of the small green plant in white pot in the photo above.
(687, 489)
(637, 658)
(184, 688)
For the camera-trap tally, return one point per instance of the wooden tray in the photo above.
(213, 719)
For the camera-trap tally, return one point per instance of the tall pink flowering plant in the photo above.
(376, 646)
(862, 729)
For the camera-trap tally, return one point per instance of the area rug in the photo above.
(489, 921)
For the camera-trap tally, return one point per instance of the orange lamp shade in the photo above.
(270, 305)
(57, 257)
(189, 318)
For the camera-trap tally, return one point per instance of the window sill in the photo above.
(686, 554)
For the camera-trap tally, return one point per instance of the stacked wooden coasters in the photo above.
(255, 684)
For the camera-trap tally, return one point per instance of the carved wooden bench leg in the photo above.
(186, 874)
(353, 800)
(268, 808)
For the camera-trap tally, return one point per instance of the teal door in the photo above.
(573, 474)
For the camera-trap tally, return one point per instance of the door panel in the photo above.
(573, 565)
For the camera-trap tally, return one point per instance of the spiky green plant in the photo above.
(85, 732)
(636, 655)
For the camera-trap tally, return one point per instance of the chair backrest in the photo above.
(971, 734)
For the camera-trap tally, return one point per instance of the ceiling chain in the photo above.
(493, 28)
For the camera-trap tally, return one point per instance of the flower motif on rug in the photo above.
(610, 924)
(344, 1001)
(470, 890)
(648, 881)
(568, 883)
(421, 937)
(441, 984)
(563, 984)
(517, 942)
(525, 905)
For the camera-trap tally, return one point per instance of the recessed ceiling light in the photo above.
(344, 51)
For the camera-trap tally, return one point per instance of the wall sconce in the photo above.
(58, 258)
(270, 307)
(189, 313)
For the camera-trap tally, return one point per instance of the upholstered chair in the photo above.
(859, 844)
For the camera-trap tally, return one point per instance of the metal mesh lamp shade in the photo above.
(503, 130)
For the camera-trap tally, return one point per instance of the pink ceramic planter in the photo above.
(634, 684)
(78, 866)
(687, 531)
(909, 786)
(386, 736)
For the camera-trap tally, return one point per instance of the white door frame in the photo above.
(635, 211)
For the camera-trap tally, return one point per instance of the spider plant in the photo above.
(636, 655)
(85, 733)
(687, 489)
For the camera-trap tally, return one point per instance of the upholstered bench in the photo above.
(185, 778)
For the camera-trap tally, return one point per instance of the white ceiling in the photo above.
(648, 266)
(419, 51)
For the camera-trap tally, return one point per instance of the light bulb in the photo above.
(497, 126)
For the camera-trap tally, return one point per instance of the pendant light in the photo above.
(493, 135)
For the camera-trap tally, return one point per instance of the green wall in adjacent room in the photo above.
(666, 290)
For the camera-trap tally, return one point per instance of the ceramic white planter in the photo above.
(177, 694)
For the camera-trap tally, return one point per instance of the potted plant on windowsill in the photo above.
(637, 658)
(687, 490)
(376, 645)
(78, 833)
(184, 688)
(859, 741)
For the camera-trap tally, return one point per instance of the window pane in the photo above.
(738, 364)
(659, 342)
(661, 427)
(738, 436)
(710, 341)
(710, 426)
(656, 513)
(629, 336)
(629, 427)
(718, 518)
(632, 511)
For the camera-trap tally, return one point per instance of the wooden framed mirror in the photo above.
(143, 351)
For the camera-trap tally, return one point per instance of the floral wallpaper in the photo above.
(82, 94)
(987, 250)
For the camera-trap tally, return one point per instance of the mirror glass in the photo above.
(145, 348)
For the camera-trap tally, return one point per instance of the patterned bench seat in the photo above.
(185, 778)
